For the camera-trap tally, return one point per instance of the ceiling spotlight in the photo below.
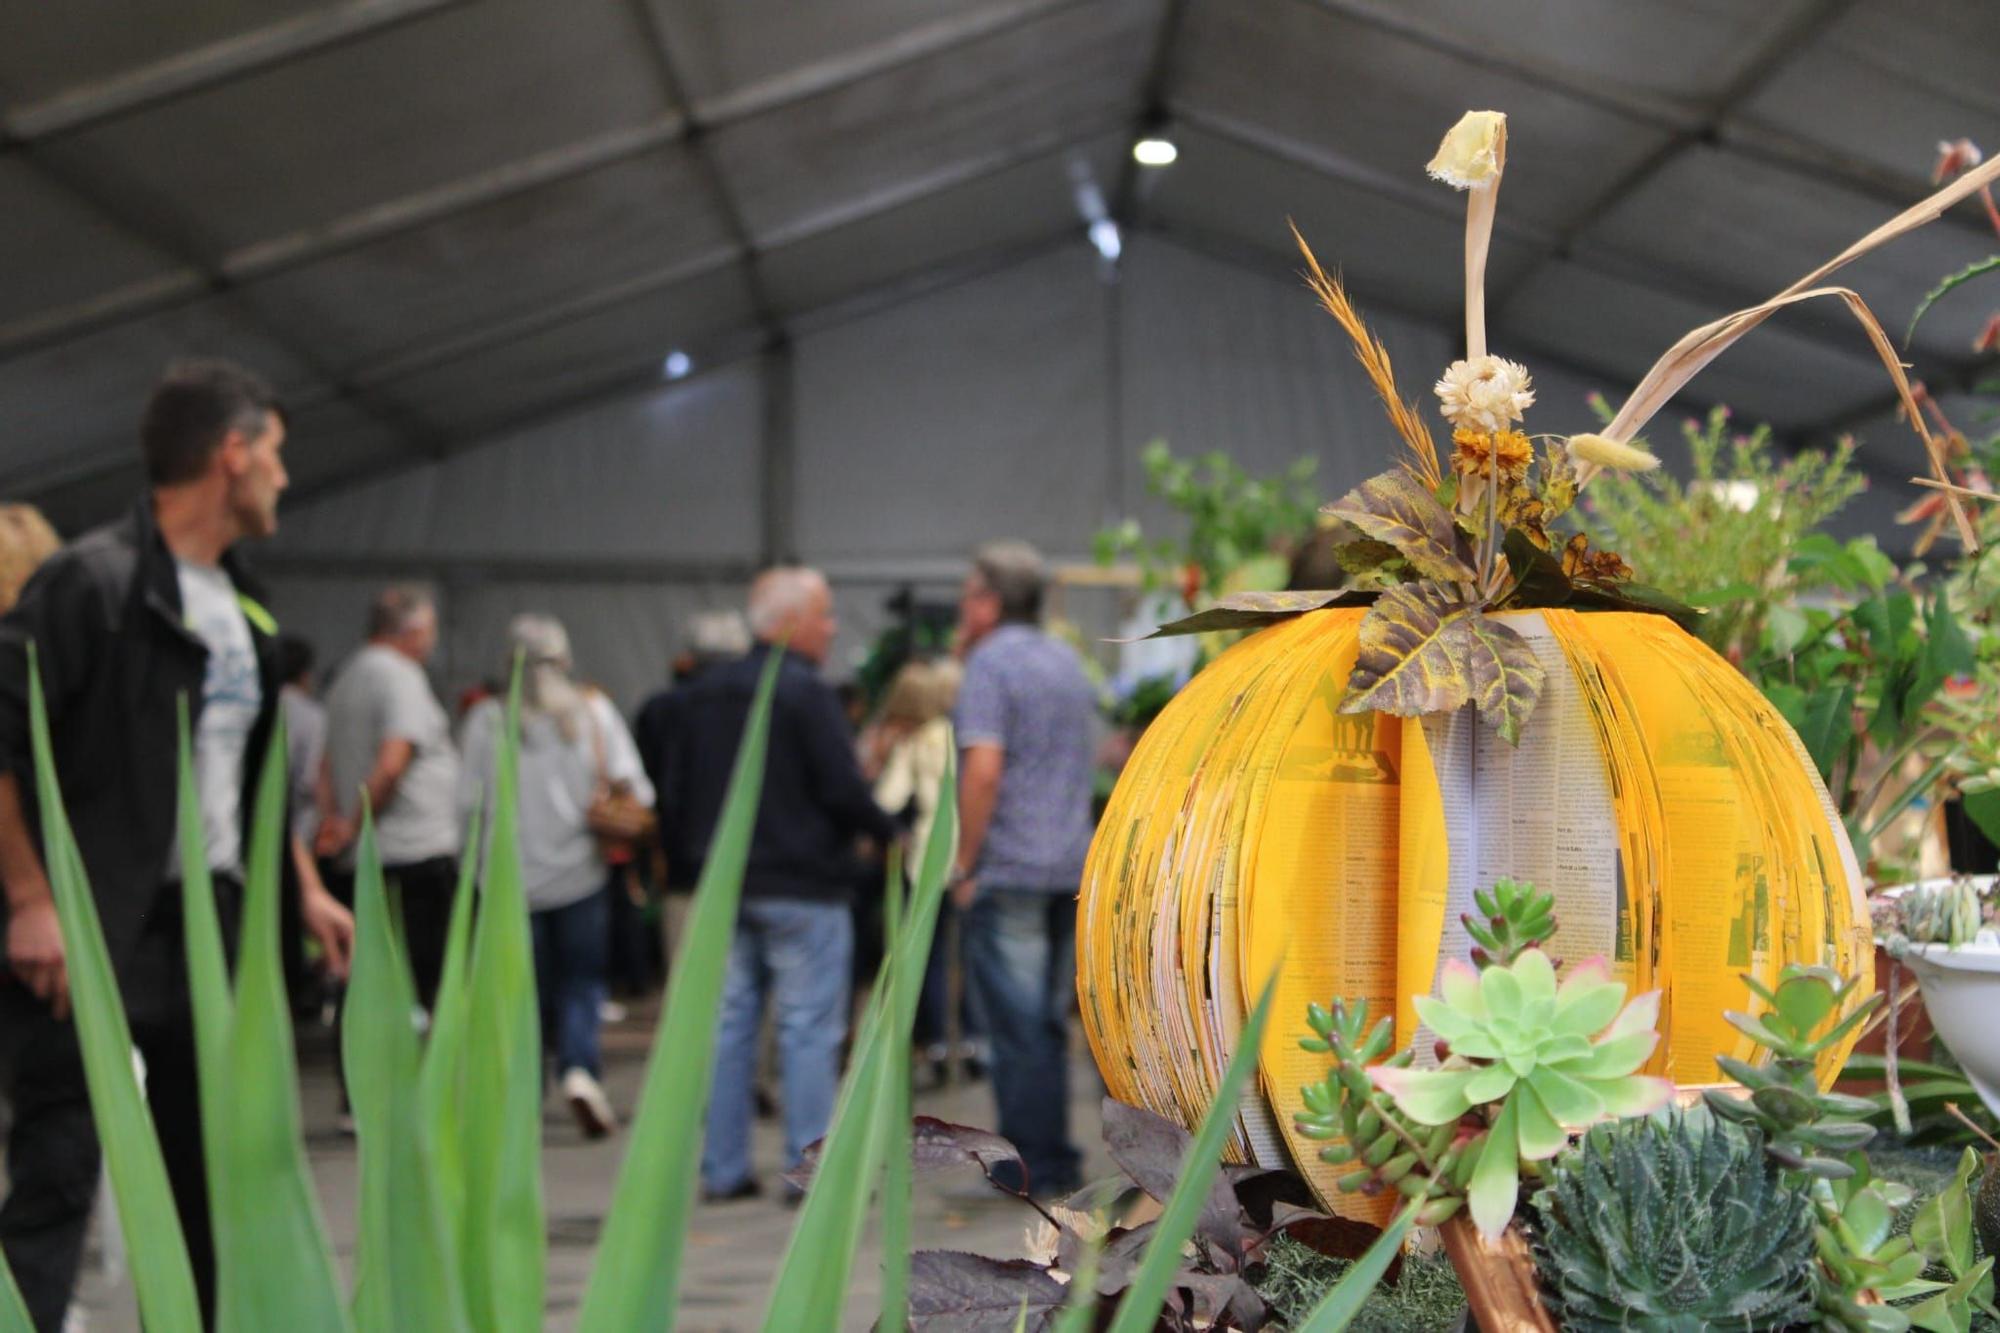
(677, 365)
(1104, 235)
(1155, 151)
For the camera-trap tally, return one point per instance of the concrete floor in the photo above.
(733, 1249)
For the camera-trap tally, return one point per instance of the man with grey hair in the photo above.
(1026, 715)
(387, 736)
(794, 932)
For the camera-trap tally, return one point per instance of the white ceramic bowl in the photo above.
(1961, 989)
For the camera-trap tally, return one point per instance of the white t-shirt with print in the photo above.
(231, 696)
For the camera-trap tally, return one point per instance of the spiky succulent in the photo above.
(1517, 917)
(1363, 1131)
(1546, 1060)
(1674, 1222)
(1950, 913)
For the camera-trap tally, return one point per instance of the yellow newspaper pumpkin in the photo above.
(1488, 700)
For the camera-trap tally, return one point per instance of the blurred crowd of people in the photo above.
(130, 622)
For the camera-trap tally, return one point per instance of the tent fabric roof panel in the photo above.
(1071, 73)
(357, 124)
(503, 260)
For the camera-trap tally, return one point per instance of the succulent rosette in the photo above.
(1553, 1059)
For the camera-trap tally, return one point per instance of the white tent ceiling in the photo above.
(430, 220)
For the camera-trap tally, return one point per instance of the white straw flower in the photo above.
(1472, 153)
(1612, 455)
(1485, 393)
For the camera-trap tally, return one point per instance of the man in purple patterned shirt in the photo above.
(1026, 719)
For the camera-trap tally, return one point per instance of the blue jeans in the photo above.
(799, 954)
(570, 946)
(1021, 947)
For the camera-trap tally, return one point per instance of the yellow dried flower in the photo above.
(1613, 455)
(1471, 153)
(1484, 393)
(1475, 453)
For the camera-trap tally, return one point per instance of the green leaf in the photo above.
(154, 1244)
(1983, 809)
(1337, 1309)
(406, 1271)
(279, 1273)
(635, 1282)
(812, 1280)
(1785, 628)
(1506, 674)
(896, 1137)
(212, 1006)
(1256, 610)
(442, 1077)
(1398, 509)
(1413, 653)
(1826, 727)
(13, 1310)
(500, 1240)
(1496, 1179)
(1139, 1310)
(1949, 285)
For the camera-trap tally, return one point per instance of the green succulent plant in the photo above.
(1361, 1127)
(1517, 917)
(1802, 1020)
(1949, 914)
(1674, 1222)
(1548, 1058)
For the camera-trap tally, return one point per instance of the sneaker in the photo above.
(587, 1100)
(746, 1189)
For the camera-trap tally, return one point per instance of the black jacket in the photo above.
(815, 801)
(105, 616)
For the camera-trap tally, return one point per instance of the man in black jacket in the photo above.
(795, 932)
(126, 621)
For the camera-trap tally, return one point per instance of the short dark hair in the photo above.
(295, 658)
(195, 404)
(1014, 573)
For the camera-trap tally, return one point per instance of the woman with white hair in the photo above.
(575, 756)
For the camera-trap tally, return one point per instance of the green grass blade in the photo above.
(443, 1061)
(502, 1236)
(897, 1168)
(1079, 1311)
(13, 1309)
(406, 1272)
(1956, 280)
(1139, 1311)
(154, 1244)
(280, 1273)
(208, 983)
(635, 1281)
(1336, 1310)
(812, 1282)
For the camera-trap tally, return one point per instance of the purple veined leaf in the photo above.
(954, 1292)
(935, 1145)
(1506, 675)
(1414, 653)
(1151, 1149)
(1254, 610)
(1213, 1298)
(1118, 1255)
(1400, 510)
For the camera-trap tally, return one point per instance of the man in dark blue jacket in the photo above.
(795, 934)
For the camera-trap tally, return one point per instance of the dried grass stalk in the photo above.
(1685, 359)
(1374, 359)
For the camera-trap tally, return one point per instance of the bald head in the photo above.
(792, 605)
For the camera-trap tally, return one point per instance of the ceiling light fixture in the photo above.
(677, 365)
(1155, 151)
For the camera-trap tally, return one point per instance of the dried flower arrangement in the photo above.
(1444, 542)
